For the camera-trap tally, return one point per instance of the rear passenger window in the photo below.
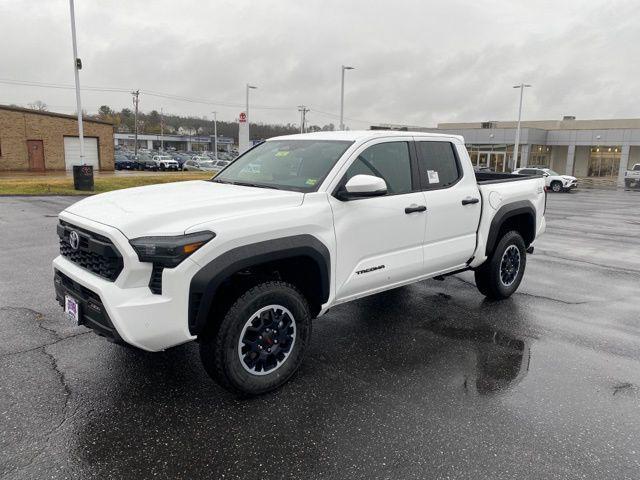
(389, 161)
(438, 164)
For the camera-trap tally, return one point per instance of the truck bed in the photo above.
(485, 178)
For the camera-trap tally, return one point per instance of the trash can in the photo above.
(83, 177)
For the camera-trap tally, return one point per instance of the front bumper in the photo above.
(126, 309)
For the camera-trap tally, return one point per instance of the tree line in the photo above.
(154, 123)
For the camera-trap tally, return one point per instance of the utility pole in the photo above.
(77, 65)
(215, 134)
(344, 67)
(516, 146)
(303, 115)
(136, 95)
(161, 129)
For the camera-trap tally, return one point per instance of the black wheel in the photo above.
(260, 342)
(162, 167)
(501, 274)
(556, 186)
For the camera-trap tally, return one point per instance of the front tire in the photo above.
(499, 277)
(556, 187)
(260, 342)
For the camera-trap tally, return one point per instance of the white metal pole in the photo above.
(76, 68)
(246, 111)
(215, 133)
(161, 130)
(516, 146)
(342, 100)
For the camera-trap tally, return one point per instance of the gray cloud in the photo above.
(418, 62)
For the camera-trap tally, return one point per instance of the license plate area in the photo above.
(72, 309)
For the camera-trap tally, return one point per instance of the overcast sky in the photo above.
(417, 62)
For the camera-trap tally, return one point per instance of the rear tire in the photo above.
(499, 277)
(271, 316)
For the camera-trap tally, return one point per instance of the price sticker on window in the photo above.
(433, 176)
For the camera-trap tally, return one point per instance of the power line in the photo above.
(150, 93)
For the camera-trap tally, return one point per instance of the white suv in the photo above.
(554, 181)
(165, 162)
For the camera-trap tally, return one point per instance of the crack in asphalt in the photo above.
(60, 375)
(542, 297)
(594, 264)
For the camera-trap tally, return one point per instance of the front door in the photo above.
(35, 151)
(497, 161)
(379, 242)
(453, 205)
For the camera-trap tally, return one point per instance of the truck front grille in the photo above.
(93, 252)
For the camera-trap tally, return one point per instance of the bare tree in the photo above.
(39, 105)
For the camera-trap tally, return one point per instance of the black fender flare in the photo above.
(503, 214)
(208, 279)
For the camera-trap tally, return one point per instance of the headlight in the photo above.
(169, 251)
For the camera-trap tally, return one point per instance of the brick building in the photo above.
(32, 140)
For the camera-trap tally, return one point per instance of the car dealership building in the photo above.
(601, 149)
(39, 141)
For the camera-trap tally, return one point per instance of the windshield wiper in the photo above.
(246, 184)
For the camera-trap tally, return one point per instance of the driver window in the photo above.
(389, 161)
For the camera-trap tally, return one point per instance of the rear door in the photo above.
(379, 239)
(453, 204)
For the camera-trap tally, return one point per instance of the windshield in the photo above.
(206, 164)
(298, 165)
(551, 172)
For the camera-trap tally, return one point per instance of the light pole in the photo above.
(249, 87)
(516, 147)
(215, 134)
(344, 67)
(77, 65)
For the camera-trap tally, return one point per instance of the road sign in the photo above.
(242, 117)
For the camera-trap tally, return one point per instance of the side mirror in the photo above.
(363, 186)
(545, 174)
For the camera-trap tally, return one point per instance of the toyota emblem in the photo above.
(74, 239)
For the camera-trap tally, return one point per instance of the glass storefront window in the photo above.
(540, 156)
(604, 161)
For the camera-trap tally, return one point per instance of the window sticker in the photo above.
(433, 176)
(311, 181)
(282, 153)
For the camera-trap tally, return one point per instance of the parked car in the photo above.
(203, 165)
(554, 181)
(632, 177)
(165, 162)
(122, 162)
(483, 169)
(245, 261)
(181, 158)
(144, 161)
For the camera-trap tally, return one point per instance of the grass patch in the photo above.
(43, 185)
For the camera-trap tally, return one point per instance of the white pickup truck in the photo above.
(632, 177)
(298, 224)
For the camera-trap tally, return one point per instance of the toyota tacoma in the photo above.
(243, 262)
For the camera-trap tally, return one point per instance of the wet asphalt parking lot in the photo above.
(426, 381)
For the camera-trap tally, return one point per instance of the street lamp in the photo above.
(516, 147)
(249, 87)
(344, 67)
(77, 65)
(215, 133)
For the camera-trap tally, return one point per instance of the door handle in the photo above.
(415, 208)
(470, 200)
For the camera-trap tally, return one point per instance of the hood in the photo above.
(171, 208)
(568, 177)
